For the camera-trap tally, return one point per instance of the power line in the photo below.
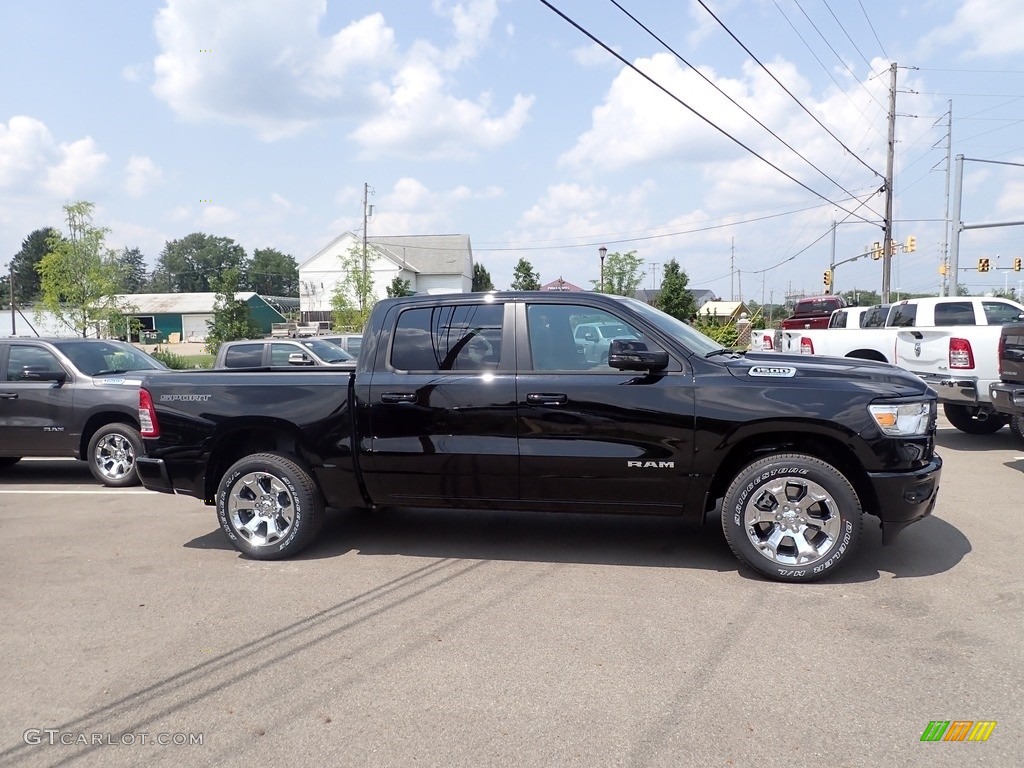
(675, 98)
(873, 32)
(855, 46)
(783, 87)
(745, 111)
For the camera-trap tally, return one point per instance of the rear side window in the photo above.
(1000, 313)
(244, 356)
(465, 337)
(954, 313)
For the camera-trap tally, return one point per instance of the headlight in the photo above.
(908, 420)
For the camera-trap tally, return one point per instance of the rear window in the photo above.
(244, 356)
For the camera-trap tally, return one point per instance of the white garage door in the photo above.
(194, 328)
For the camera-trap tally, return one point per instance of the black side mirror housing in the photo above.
(42, 373)
(628, 355)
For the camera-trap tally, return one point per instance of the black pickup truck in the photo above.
(1007, 394)
(73, 397)
(489, 401)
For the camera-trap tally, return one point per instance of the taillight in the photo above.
(767, 342)
(147, 415)
(960, 354)
(806, 346)
(1001, 352)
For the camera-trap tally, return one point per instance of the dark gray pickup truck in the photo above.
(1007, 394)
(73, 397)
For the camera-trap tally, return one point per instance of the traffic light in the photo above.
(876, 250)
(827, 278)
(892, 247)
(911, 244)
(942, 269)
(1016, 264)
(983, 265)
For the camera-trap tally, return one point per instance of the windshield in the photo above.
(327, 351)
(688, 336)
(95, 357)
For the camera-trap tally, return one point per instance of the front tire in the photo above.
(113, 450)
(791, 517)
(973, 421)
(269, 506)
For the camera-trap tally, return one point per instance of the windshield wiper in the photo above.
(110, 371)
(722, 351)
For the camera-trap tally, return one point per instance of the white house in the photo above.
(431, 264)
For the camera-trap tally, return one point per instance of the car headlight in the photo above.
(907, 420)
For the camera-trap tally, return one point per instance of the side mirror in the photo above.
(634, 356)
(299, 358)
(42, 373)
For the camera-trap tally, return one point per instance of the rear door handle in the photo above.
(398, 397)
(546, 398)
(8, 395)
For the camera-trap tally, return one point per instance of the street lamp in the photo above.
(602, 252)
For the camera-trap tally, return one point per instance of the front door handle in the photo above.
(8, 395)
(546, 398)
(398, 397)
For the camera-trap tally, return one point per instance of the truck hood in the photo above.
(837, 372)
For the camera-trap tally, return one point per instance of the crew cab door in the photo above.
(592, 437)
(441, 406)
(36, 400)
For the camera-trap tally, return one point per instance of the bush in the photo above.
(172, 360)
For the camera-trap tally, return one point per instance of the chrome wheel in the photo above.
(792, 521)
(114, 457)
(261, 508)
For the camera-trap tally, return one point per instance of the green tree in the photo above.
(189, 264)
(80, 277)
(482, 278)
(133, 270)
(726, 334)
(25, 265)
(231, 317)
(675, 298)
(622, 274)
(353, 295)
(273, 273)
(524, 278)
(399, 287)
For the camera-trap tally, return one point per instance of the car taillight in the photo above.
(147, 415)
(806, 346)
(767, 342)
(960, 354)
(1001, 352)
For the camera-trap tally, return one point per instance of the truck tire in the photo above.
(791, 517)
(973, 421)
(269, 506)
(8, 461)
(1017, 427)
(112, 452)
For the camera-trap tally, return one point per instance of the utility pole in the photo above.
(732, 270)
(14, 331)
(956, 227)
(944, 285)
(366, 215)
(654, 274)
(889, 162)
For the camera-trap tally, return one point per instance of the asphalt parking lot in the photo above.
(450, 638)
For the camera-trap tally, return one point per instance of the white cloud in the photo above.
(981, 29)
(31, 160)
(26, 147)
(264, 64)
(1011, 199)
(133, 73)
(141, 175)
(593, 56)
(214, 216)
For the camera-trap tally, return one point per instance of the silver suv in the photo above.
(594, 339)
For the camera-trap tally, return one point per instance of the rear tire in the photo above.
(973, 421)
(1017, 427)
(269, 507)
(791, 517)
(113, 450)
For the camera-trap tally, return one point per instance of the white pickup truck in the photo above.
(950, 342)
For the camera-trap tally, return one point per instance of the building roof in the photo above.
(561, 285)
(723, 308)
(176, 303)
(430, 254)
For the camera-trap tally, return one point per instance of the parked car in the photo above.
(595, 339)
(262, 353)
(73, 397)
(1007, 394)
(791, 449)
(350, 342)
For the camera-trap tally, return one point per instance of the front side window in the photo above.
(1000, 313)
(465, 337)
(568, 337)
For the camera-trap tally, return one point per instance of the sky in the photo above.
(725, 134)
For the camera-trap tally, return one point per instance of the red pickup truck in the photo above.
(812, 312)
